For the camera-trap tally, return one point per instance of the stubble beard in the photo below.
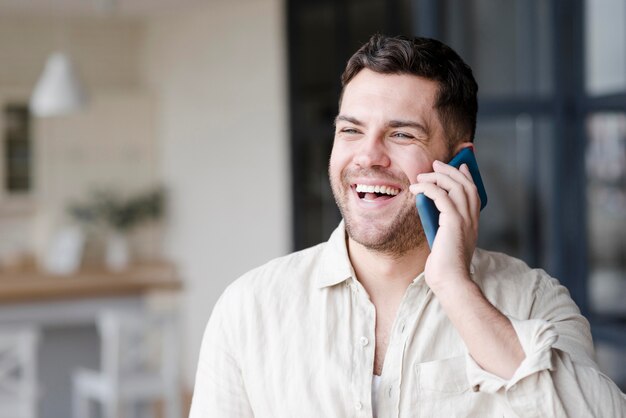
(403, 234)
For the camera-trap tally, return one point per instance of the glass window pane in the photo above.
(612, 361)
(316, 35)
(317, 209)
(17, 149)
(366, 17)
(605, 46)
(514, 158)
(606, 211)
(507, 43)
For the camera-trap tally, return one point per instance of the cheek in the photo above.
(339, 159)
(413, 164)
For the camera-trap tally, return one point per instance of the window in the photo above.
(322, 36)
(603, 102)
(17, 150)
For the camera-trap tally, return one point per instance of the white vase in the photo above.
(117, 253)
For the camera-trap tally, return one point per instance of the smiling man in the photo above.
(375, 323)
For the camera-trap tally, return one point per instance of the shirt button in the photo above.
(364, 341)
(358, 406)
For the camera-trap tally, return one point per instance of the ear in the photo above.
(462, 145)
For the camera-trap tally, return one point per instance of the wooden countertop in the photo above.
(24, 286)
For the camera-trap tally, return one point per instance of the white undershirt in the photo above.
(375, 386)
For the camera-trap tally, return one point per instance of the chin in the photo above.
(368, 236)
(395, 238)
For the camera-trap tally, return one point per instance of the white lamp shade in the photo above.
(58, 90)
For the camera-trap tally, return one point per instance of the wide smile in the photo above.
(375, 193)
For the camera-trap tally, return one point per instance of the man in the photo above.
(374, 322)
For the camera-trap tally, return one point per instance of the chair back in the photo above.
(138, 344)
(18, 371)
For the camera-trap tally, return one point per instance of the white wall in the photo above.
(219, 75)
(110, 144)
(105, 50)
(197, 99)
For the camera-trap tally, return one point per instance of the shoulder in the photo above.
(287, 283)
(522, 292)
(491, 265)
(511, 284)
(266, 299)
(287, 274)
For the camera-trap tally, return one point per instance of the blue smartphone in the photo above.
(428, 212)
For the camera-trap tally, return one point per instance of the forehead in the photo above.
(403, 94)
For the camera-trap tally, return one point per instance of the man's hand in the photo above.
(487, 333)
(456, 197)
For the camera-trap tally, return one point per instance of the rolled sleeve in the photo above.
(558, 377)
(537, 338)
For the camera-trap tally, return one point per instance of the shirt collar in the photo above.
(335, 264)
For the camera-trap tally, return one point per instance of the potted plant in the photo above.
(117, 216)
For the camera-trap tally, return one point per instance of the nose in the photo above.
(372, 153)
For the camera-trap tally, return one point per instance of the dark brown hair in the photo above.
(456, 101)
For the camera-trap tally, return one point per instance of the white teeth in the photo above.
(364, 188)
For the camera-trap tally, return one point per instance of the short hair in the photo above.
(456, 100)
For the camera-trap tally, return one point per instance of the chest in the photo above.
(333, 349)
(385, 318)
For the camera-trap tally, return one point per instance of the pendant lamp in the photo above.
(58, 91)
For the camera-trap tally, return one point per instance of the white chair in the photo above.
(18, 371)
(139, 365)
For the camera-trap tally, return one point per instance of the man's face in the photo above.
(387, 132)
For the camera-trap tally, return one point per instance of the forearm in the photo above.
(560, 387)
(488, 334)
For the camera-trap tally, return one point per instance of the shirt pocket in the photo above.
(443, 377)
(443, 389)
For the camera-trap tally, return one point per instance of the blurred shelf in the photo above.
(25, 287)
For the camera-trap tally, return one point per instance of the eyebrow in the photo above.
(348, 119)
(407, 123)
(391, 124)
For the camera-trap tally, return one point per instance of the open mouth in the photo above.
(372, 193)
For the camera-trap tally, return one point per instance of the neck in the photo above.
(386, 274)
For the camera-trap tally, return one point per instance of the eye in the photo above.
(402, 135)
(348, 131)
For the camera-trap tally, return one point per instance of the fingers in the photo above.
(455, 216)
(452, 190)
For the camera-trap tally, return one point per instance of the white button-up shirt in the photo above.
(294, 339)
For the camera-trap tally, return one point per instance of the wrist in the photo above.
(451, 283)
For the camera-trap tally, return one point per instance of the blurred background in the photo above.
(154, 150)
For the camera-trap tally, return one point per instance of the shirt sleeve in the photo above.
(219, 389)
(558, 377)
